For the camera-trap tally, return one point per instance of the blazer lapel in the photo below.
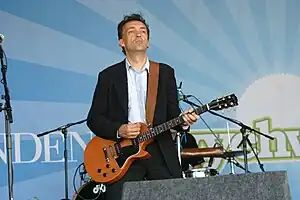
(121, 87)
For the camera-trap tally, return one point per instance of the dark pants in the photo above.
(153, 168)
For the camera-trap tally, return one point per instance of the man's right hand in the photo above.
(129, 130)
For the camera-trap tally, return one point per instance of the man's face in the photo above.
(134, 37)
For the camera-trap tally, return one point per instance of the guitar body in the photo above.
(107, 161)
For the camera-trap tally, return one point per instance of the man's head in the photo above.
(133, 34)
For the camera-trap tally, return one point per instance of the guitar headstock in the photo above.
(224, 102)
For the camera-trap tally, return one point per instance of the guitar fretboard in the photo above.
(152, 132)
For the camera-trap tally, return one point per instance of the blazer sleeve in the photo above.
(97, 120)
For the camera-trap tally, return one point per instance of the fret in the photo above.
(161, 128)
(149, 135)
(201, 109)
(152, 132)
(156, 131)
(164, 125)
(169, 124)
(173, 123)
(145, 137)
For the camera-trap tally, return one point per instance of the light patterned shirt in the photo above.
(137, 92)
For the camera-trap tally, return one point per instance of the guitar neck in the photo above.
(152, 132)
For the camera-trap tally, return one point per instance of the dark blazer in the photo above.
(109, 109)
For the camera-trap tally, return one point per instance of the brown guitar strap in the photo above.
(152, 92)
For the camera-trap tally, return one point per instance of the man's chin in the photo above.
(139, 50)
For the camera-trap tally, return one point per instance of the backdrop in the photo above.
(56, 48)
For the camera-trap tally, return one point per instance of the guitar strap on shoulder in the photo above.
(152, 92)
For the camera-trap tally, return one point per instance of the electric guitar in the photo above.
(107, 161)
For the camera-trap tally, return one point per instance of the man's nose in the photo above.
(138, 33)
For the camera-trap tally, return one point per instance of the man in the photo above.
(119, 104)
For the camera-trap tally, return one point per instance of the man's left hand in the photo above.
(190, 117)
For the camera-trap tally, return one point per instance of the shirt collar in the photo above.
(146, 66)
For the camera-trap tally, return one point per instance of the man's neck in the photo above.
(137, 61)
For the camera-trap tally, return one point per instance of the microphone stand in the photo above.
(64, 130)
(7, 110)
(233, 161)
(178, 142)
(245, 139)
(178, 134)
(229, 144)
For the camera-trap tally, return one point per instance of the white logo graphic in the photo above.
(99, 188)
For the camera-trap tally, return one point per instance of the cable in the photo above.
(75, 189)
(74, 186)
(219, 142)
(4, 66)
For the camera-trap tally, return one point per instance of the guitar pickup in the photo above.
(105, 154)
(112, 152)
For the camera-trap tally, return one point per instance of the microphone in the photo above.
(180, 95)
(179, 92)
(1, 38)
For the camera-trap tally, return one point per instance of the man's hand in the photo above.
(129, 130)
(190, 117)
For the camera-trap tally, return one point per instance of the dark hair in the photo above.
(128, 18)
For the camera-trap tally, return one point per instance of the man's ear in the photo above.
(121, 43)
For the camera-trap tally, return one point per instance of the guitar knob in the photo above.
(99, 170)
(107, 165)
(113, 170)
(104, 174)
